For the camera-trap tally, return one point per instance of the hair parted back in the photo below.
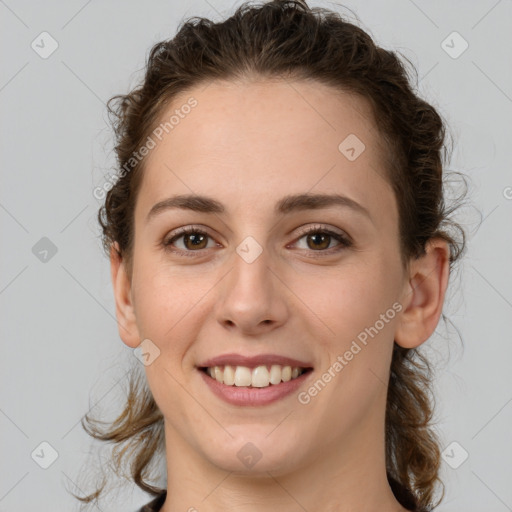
(286, 39)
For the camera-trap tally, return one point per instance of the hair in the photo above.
(283, 40)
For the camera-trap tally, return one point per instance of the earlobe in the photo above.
(423, 297)
(125, 313)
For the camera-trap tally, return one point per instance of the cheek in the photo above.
(167, 309)
(171, 307)
(163, 297)
(349, 301)
(360, 309)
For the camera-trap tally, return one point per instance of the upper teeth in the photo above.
(259, 377)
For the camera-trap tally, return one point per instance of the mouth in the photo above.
(262, 376)
(257, 386)
(254, 380)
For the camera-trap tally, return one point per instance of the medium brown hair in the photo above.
(283, 40)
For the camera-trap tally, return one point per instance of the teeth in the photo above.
(218, 374)
(259, 377)
(228, 377)
(242, 376)
(275, 374)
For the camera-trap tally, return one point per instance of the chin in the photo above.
(256, 455)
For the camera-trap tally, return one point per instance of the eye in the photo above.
(193, 240)
(319, 239)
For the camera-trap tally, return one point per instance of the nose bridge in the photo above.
(249, 296)
(251, 274)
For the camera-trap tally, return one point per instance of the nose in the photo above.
(252, 297)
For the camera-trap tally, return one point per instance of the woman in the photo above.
(279, 251)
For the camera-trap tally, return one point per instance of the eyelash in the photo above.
(344, 242)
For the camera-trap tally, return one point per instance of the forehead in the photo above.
(262, 137)
(264, 114)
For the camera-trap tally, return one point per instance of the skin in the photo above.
(247, 145)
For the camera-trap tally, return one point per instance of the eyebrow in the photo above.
(286, 205)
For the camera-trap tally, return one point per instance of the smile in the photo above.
(258, 377)
(245, 393)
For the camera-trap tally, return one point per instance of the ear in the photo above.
(423, 295)
(125, 312)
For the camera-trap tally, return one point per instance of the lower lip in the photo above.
(248, 396)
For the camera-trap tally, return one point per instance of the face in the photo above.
(268, 274)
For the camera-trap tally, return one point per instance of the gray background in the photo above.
(61, 353)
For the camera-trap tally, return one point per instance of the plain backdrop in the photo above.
(61, 352)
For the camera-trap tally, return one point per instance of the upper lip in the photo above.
(253, 361)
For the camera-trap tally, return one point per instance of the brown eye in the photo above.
(319, 241)
(194, 240)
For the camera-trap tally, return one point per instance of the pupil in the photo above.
(324, 237)
(195, 239)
